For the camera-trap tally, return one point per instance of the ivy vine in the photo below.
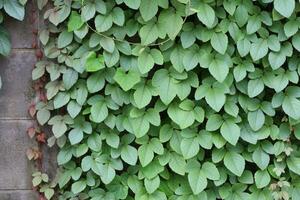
(173, 99)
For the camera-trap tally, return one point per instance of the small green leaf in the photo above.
(219, 41)
(189, 147)
(94, 63)
(99, 112)
(210, 171)
(262, 178)
(259, 49)
(75, 21)
(230, 131)
(78, 186)
(145, 153)
(129, 154)
(126, 79)
(256, 119)
(151, 185)
(261, 158)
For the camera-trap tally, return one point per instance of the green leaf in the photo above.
(61, 99)
(145, 62)
(215, 98)
(253, 25)
(262, 178)
(75, 21)
(129, 154)
(291, 28)
(170, 22)
(5, 45)
(113, 140)
(230, 131)
(96, 82)
(219, 41)
(259, 49)
(94, 142)
(148, 9)
(296, 41)
(234, 162)
(165, 84)
(146, 155)
(255, 87)
(294, 164)
(177, 164)
(181, 117)
(197, 180)
(291, 106)
(99, 112)
(64, 156)
(134, 4)
(189, 147)
(75, 136)
(108, 44)
(94, 63)
(103, 23)
(64, 39)
(285, 8)
(107, 173)
(206, 14)
(70, 77)
(14, 9)
(261, 158)
(118, 16)
(43, 116)
(142, 95)
(256, 119)
(140, 126)
(49, 192)
(214, 122)
(59, 129)
(219, 68)
(126, 80)
(151, 185)
(148, 33)
(78, 186)
(210, 171)
(243, 47)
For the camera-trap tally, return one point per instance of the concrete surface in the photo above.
(15, 97)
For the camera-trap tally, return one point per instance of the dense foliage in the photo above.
(173, 99)
(15, 9)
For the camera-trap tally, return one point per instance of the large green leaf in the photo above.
(234, 162)
(285, 8)
(206, 14)
(197, 181)
(14, 9)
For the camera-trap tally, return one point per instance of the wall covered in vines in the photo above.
(173, 99)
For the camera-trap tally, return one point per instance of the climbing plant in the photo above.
(15, 9)
(173, 99)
